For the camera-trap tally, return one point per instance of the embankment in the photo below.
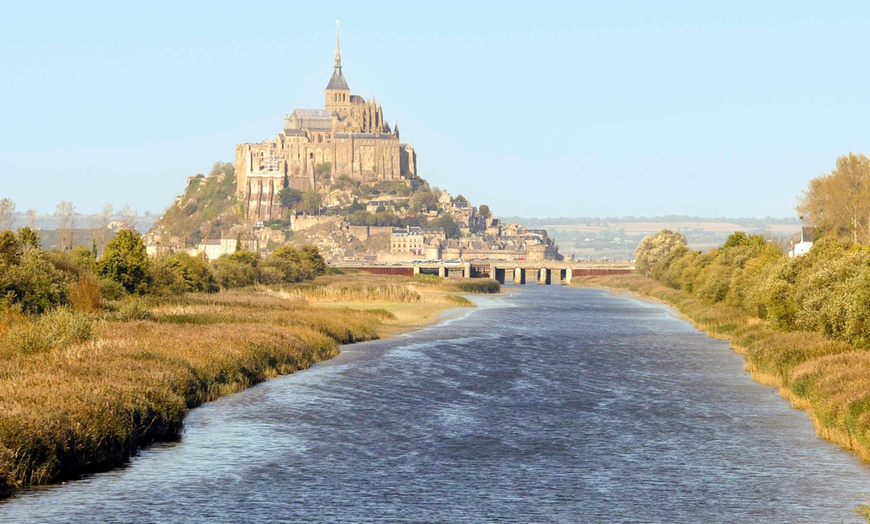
(81, 393)
(829, 379)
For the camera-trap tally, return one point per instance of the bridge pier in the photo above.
(442, 271)
(497, 274)
(519, 275)
(543, 276)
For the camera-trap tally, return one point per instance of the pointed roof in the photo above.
(337, 81)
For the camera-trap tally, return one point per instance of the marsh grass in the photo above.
(830, 379)
(83, 392)
(481, 285)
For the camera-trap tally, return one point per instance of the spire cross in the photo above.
(337, 47)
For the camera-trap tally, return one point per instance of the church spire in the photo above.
(337, 81)
(337, 48)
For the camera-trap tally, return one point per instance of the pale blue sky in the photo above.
(535, 108)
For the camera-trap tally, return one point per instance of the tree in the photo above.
(222, 168)
(65, 212)
(28, 239)
(311, 202)
(839, 202)
(446, 223)
(10, 248)
(104, 218)
(423, 201)
(125, 261)
(290, 197)
(129, 215)
(7, 213)
(237, 269)
(653, 249)
(484, 211)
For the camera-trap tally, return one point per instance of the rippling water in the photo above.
(551, 405)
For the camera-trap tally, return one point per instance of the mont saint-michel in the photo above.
(339, 178)
(349, 137)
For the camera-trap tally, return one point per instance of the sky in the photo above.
(537, 109)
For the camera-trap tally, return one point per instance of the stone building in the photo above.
(348, 137)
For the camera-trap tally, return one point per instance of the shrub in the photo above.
(480, 286)
(85, 295)
(125, 261)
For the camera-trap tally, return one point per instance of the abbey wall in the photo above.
(349, 137)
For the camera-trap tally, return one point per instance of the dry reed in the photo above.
(81, 393)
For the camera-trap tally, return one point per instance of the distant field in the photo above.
(613, 239)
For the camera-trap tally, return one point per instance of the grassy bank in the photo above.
(83, 392)
(830, 379)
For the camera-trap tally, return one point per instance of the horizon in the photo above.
(560, 111)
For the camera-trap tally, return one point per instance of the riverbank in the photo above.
(81, 393)
(828, 379)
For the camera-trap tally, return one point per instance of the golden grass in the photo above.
(83, 392)
(829, 379)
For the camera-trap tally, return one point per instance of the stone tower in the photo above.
(337, 91)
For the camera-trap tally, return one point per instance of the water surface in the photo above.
(552, 405)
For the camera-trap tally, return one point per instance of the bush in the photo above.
(33, 285)
(125, 261)
(480, 286)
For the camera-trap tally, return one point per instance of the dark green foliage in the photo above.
(125, 261)
(84, 258)
(288, 265)
(480, 286)
(28, 239)
(10, 248)
(446, 223)
(237, 269)
(290, 197)
(33, 285)
(180, 273)
(484, 211)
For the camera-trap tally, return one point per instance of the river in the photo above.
(552, 404)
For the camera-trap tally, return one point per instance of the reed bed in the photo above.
(81, 393)
(830, 379)
(358, 292)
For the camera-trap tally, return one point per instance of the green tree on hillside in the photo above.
(839, 202)
(446, 223)
(311, 202)
(125, 261)
(290, 197)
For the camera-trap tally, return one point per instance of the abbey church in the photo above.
(348, 137)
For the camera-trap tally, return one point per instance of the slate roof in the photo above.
(311, 113)
(337, 81)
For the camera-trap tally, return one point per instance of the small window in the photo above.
(310, 155)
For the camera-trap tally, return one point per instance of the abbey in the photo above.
(349, 137)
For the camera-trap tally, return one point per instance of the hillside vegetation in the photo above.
(207, 208)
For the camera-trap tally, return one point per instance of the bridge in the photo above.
(544, 272)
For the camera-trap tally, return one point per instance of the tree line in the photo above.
(825, 291)
(33, 280)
